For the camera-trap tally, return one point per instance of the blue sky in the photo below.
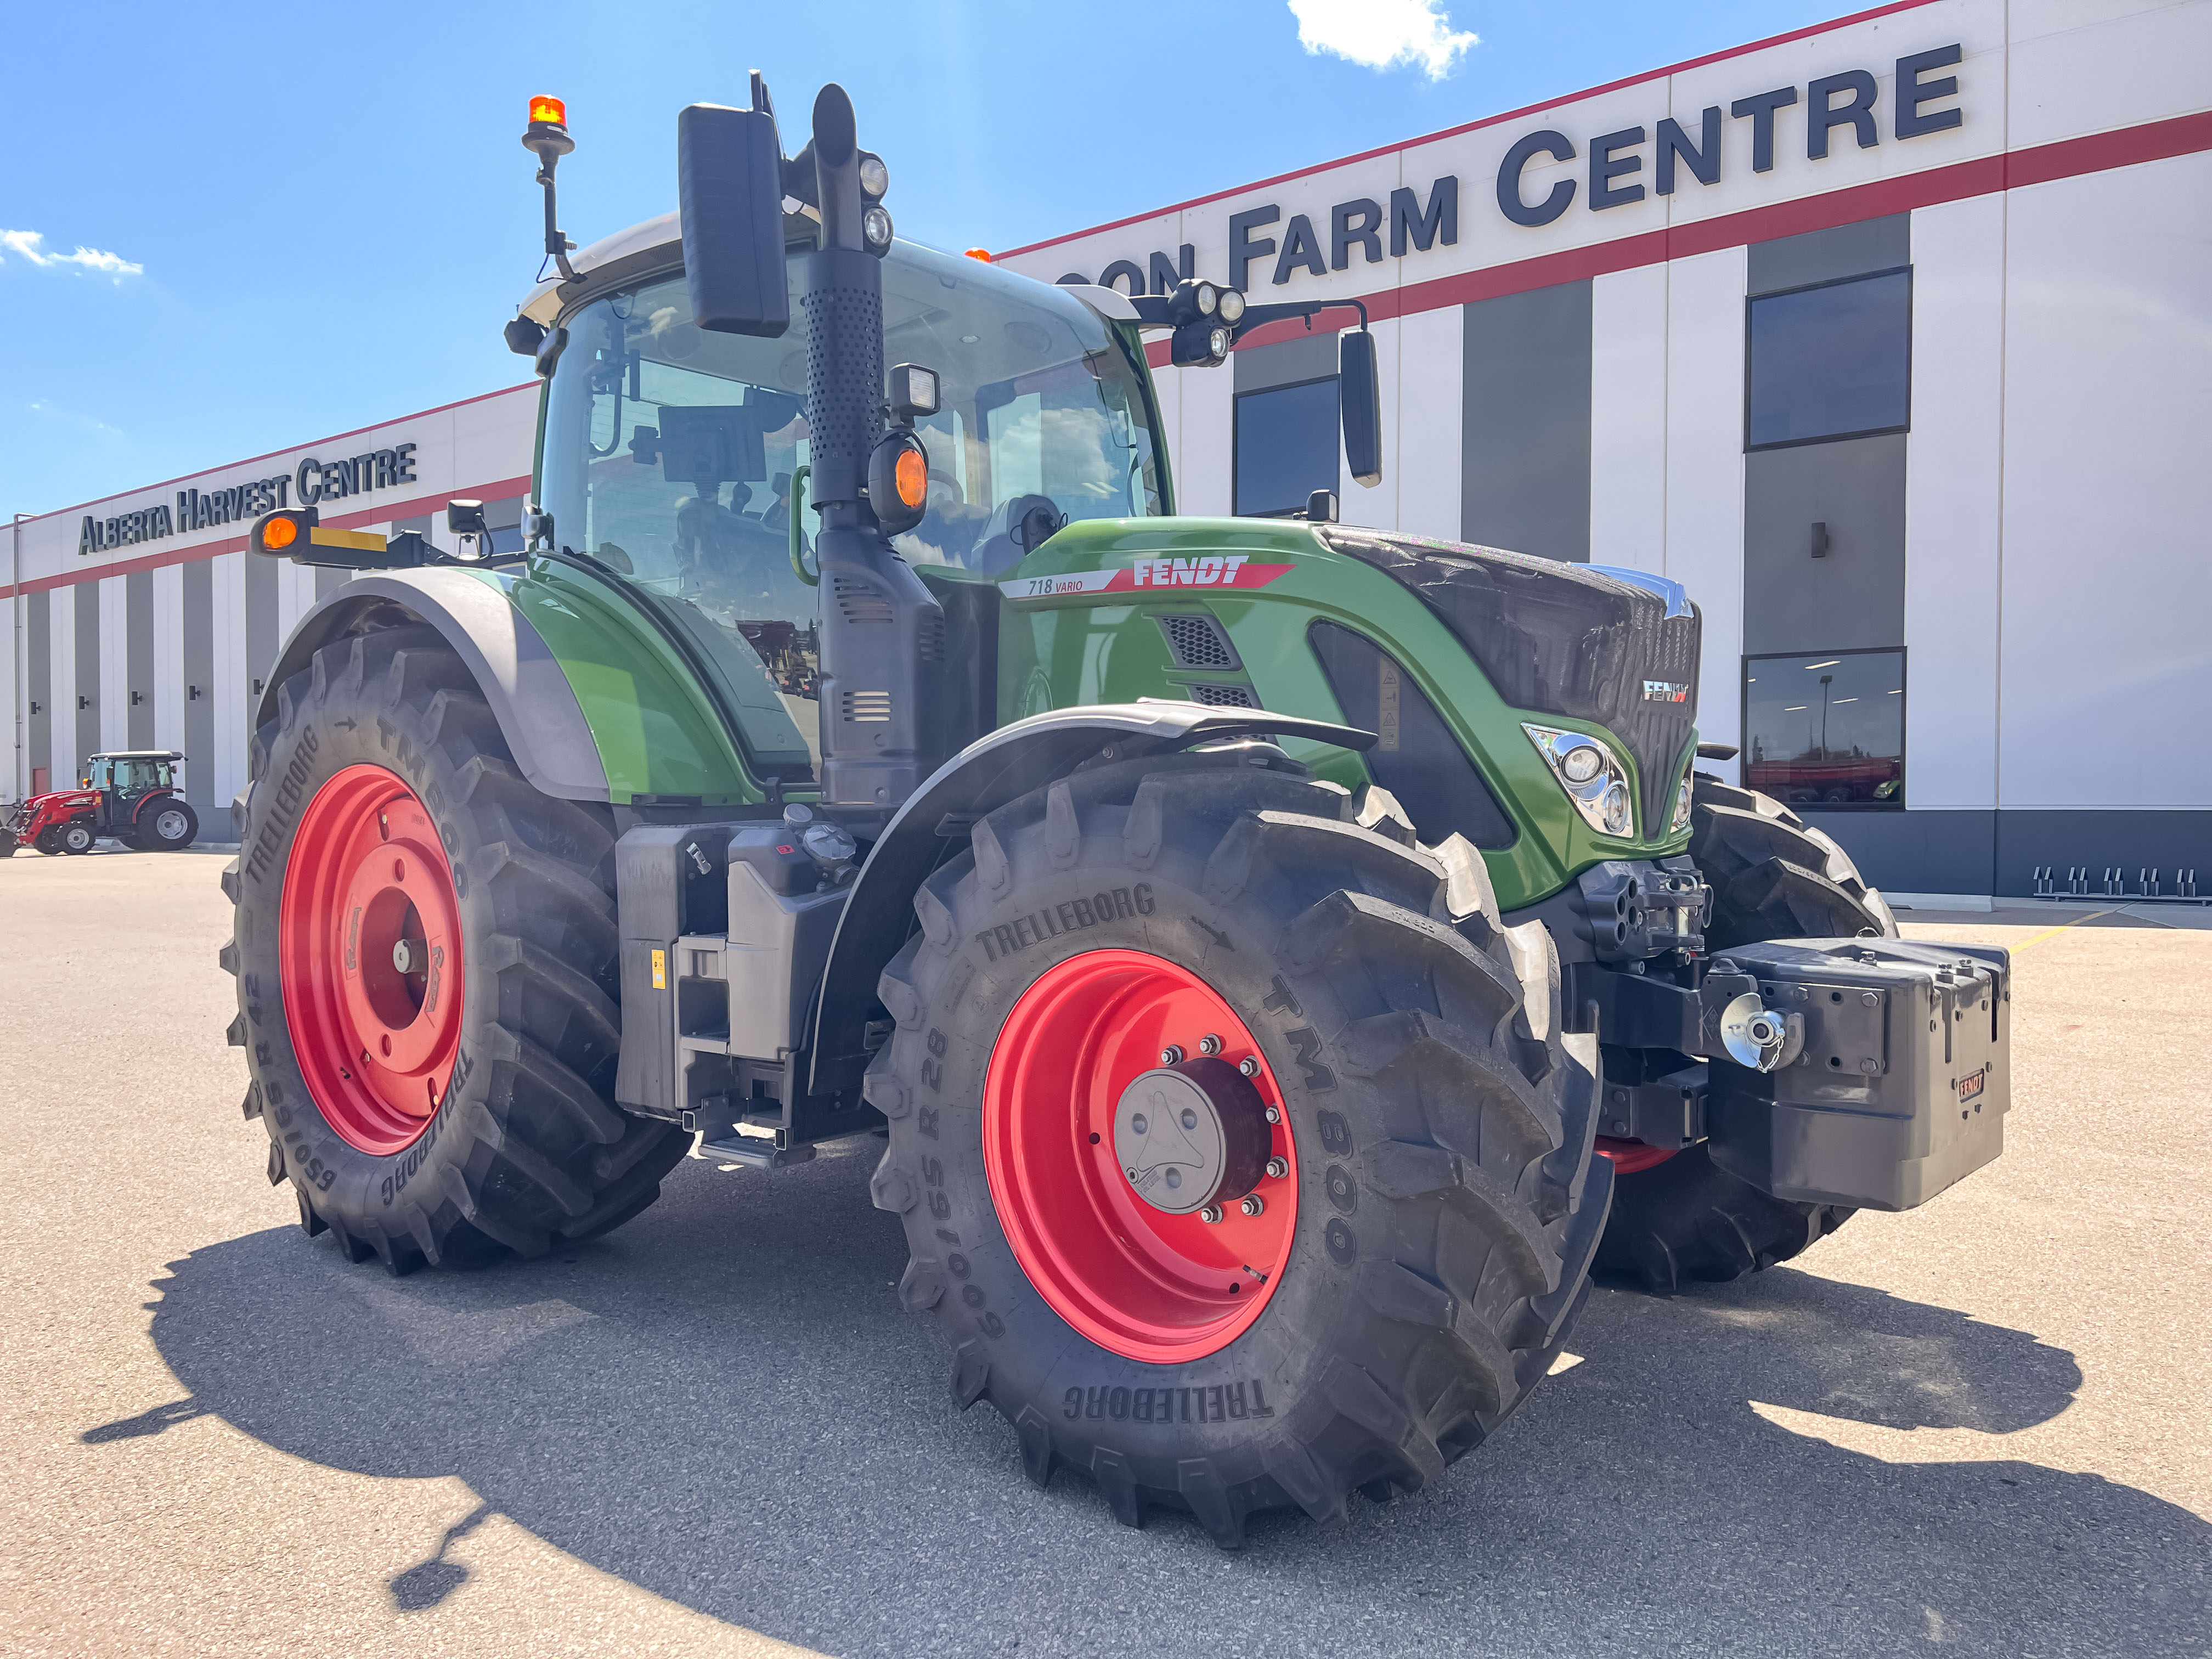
(330, 215)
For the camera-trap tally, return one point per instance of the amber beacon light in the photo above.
(549, 111)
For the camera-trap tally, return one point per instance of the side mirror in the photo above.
(729, 186)
(1359, 388)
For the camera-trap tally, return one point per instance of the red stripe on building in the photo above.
(504, 490)
(1487, 121)
(2070, 158)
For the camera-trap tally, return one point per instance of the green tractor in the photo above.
(1286, 960)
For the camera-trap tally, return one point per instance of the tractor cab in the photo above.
(126, 777)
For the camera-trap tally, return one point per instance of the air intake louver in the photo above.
(1224, 696)
(1198, 641)
(859, 603)
(868, 706)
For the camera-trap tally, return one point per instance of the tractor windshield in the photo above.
(669, 451)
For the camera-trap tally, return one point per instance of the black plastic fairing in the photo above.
(1558, 639)
(1416, 757)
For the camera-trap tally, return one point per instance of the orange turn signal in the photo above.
(551, 110)
(278, 534)
(910, 476)
(982, 254)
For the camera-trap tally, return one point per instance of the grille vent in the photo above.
(1224, 696)
(868, 706)
(929, 639)
(1198, 641)
(858, 602)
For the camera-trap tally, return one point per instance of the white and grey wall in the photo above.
(1565, 367)
(140, 622)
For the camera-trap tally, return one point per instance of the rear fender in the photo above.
(520, 678)
(1001, 766)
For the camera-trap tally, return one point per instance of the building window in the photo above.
(1825, 730)
(1831, 361)
(1286, 447)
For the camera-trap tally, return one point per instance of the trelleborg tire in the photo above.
(1773, 876)
(1424, 1246)
(425, 949)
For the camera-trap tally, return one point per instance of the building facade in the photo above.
(1891, 339)
(140, 622)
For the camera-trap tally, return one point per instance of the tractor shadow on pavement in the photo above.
(723, 1404)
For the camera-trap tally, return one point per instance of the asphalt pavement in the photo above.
(1976, 1427)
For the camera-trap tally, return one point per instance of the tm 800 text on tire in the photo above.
(1212, 943)
(1682, 1218)
(425, 950)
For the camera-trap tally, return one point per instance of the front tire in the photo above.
(1685, 1219)
(1414, 1269)
(425, 949)
(75, 838)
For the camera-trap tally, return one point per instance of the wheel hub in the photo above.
(1173, 1261)
(369, 941)
(1192, 1134)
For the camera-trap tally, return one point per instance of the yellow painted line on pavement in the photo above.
(2038, 938)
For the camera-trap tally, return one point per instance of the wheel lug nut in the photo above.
(1250, 1066)
(1170, 1054)
(1252, 1204)
(1279, 1167)
(1210, 1214)
(1209, 1044)
(1274, 1115)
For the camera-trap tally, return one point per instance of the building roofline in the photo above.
(312, 443)
(1469, 126)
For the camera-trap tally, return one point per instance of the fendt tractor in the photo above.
(1284, 960)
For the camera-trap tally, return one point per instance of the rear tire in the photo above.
(525, 1150)
(1445, 1195)
(1773, 876)
(167, 824)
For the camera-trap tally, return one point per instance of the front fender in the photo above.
(1003, 766)
(520, 678)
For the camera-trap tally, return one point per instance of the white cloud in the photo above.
(1380, 35)
(26, 245)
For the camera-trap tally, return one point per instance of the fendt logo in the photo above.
(1665, 691)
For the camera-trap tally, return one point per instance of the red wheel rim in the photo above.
(375, 1031)
(1631, 1155)
(1133, 1279)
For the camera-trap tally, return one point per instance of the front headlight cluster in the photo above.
(1592, 775)
(1680, 821)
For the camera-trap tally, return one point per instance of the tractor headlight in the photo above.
(1592, 775)
(1208, 296)
(1232, 305)
(1680, 820)
(876, 226)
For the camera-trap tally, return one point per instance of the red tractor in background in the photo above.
(130, 795)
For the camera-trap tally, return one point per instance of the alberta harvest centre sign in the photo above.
(309, 484)
(1618, 168)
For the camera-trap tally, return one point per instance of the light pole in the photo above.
(1825, 680)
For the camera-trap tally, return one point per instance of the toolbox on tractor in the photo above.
(1285, 961)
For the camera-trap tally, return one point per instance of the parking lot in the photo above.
(1979, 1426)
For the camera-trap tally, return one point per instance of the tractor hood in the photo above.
(1588, 643)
